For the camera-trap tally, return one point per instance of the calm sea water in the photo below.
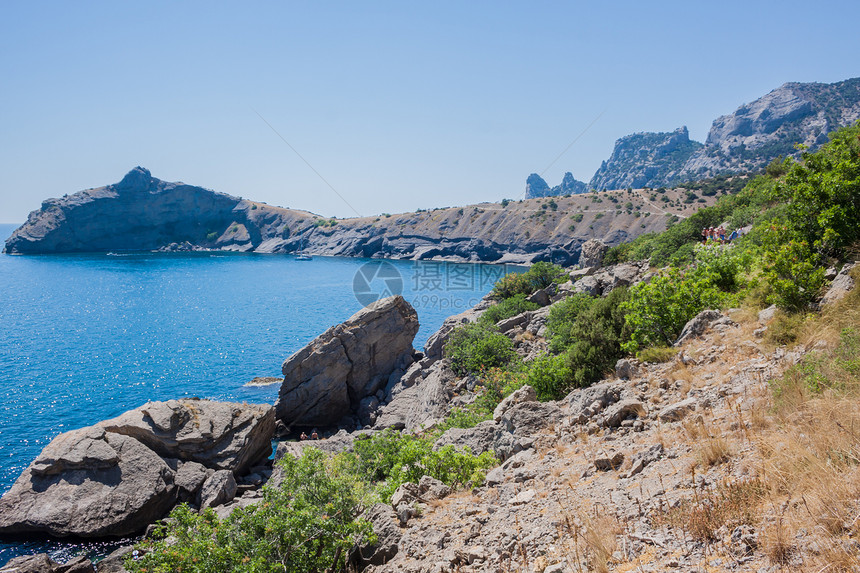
(84, 338)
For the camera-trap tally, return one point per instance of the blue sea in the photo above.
(86, 337)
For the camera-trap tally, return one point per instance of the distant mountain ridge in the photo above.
(741, 142)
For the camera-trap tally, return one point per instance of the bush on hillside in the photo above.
(507, 308)
(308, 523)
(658, 310)
(540, 275)
(473, 348)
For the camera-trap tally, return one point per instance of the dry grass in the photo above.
(728, 504)
(809, 448)
(600, 533)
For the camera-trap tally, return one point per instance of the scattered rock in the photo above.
(431, 488)
(529, 418)
(609, 463)
(623, 410)
(625, 370)
(42, 563)
(540, 297)
(218, 489)
(407, 493)
(524, 394)
(115, 562)
(841, 285)
(189, 478)
(677, 411)
(697, 325)
(523, 497)
(326, 380)
(264, 381)
(766, 315)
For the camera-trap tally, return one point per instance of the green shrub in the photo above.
(793, 272)
(308, 523)
(510, 285)
(473, 348)
(550, 376)
(540, 275)
(395, 458)
(563, 315)
(507, 308)
(658, 310)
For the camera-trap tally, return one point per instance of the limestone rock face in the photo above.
(645, 159)
(138, 213)
(427, 400)
(536, 186)
(327, 380)
(115, 478)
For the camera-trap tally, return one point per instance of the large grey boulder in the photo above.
(220, 435)
(115, 478)
(526, 419)
(89, 483)
(387, 529)
(608, 278)
(524, 394)
(592, 252)
(326, 380)
(218, 489)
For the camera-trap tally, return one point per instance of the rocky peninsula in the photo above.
(143, 213)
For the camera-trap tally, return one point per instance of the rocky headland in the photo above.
(143, 213)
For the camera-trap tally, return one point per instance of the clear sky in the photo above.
(398, 105)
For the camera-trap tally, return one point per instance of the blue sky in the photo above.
(398, 105)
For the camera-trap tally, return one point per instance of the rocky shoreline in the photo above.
(119, 476)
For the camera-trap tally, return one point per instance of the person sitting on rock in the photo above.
(704, 234)
(303, 437)
(314, 435)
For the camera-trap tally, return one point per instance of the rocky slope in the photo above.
(741, 142)
(142, 213)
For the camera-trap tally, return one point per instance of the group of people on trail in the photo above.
(314, 435)
(717, 235)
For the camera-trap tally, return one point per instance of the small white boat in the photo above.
(303, 257)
